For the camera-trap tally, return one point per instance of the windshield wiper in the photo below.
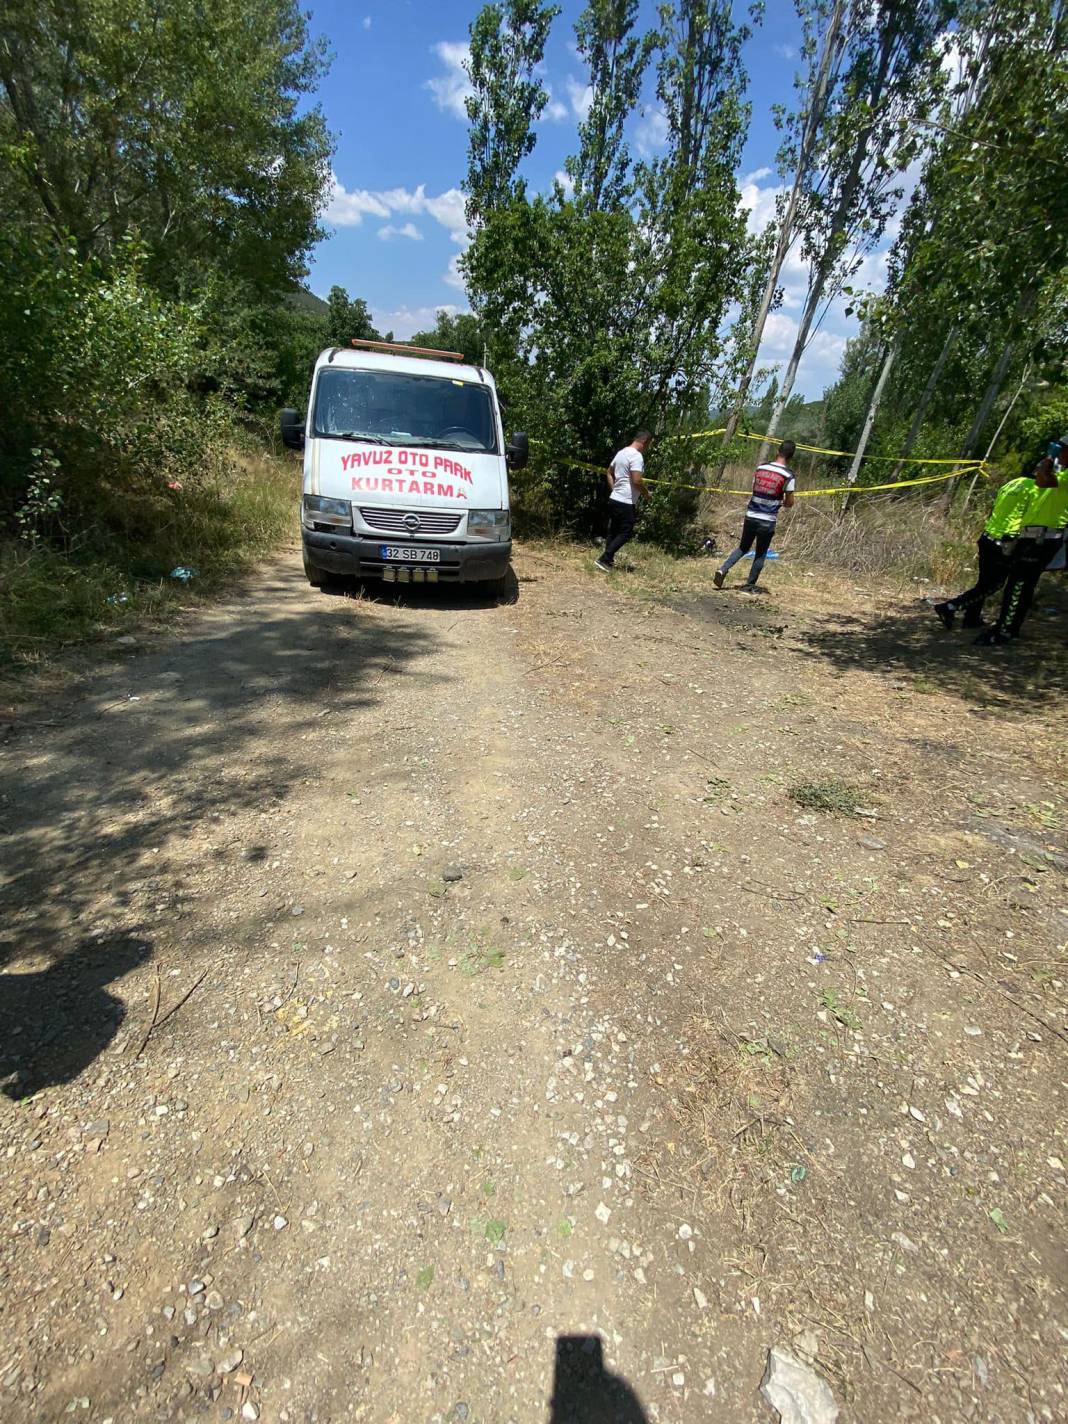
(361, 435)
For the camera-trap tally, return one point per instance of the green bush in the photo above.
(101, 383)
(117, 451)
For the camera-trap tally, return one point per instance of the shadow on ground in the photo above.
(460, 596)
(54, 1022)
(96, 791)
(585, 1392)
(912, 645)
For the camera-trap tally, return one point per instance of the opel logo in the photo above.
(411, 522)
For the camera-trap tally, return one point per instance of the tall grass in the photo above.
(117, 572)
(880, 535)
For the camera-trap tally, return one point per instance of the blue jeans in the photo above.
(754, 531)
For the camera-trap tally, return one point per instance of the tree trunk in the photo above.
(873, 408)
(925, 399)
(789, 376)
(1001, 426)
(997, 380)
(820, 275)
(813, 119)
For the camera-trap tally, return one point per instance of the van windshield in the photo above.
(388, 408)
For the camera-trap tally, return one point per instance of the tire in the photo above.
(318, 578)
(504, 589)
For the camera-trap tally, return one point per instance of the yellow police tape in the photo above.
(818, 450)
(960, 467)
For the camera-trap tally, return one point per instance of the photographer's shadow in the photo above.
(54, 1022)
(585, 1392)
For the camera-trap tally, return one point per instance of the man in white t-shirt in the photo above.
(627, 487)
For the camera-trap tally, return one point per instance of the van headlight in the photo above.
(489, 523)
(318, 512)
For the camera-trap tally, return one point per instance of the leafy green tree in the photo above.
(690, 210)
(891, 75)
(99, 376)
(604, 311)
(976, 275)
(796, 159)
(507, 48)
(616, 59)
(460, 332)
(182, 122)
(348, 320)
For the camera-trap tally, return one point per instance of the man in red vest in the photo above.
(773, 487)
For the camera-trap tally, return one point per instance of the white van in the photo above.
(405, 468)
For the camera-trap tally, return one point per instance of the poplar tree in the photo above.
(821, 49)
(616, 59)
(507, 99)
(891, 76)
(604, 310)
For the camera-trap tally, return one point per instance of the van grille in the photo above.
(391, 521)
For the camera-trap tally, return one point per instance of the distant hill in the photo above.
(307, 301)
(803, 423)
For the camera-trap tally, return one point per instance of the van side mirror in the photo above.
(292, 430)
(518, 452)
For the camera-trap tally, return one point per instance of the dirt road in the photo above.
(396, 989)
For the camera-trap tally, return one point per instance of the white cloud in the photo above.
(447, 208)
(759, 201)
(780, 332)
(347, 209)
(451, 89)
(785, 51)
(405, 321)
(566, 182)
(454, 277)
(822, 358)
(580, 97)
(652, 132)
(367, 22)
(409, 229)
(555, 112)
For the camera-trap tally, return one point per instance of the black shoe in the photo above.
(944, 614)
(750, 588)
(992, 638)
(718, 577)
(972, 623)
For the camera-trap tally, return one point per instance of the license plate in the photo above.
(404, 554)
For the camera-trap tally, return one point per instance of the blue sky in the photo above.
(394, 100)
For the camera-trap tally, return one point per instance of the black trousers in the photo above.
(1028, 562)
(994, 565)
(621, 520)
(754, 531)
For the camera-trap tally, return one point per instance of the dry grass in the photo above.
(117, 576)
(902, 536)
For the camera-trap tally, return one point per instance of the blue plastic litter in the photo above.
(183, 574)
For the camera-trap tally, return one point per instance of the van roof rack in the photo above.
(407, 350)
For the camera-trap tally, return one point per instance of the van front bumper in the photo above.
(354, 556)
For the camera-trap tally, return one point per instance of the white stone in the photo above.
(798, 1394)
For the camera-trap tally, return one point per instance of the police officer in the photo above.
(1042, 530)
(995, 553)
